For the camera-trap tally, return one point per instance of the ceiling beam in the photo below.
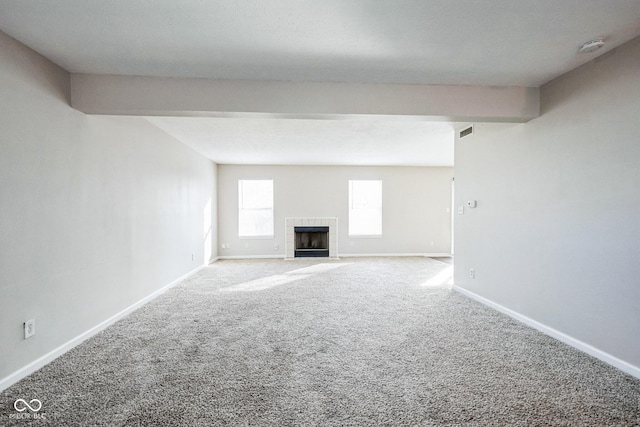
(163, 96)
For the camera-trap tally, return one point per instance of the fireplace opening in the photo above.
(311, 241)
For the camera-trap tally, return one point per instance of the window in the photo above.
(365, 208)
(255, 208)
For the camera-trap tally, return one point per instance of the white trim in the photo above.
(251, 257)
(560, 336)
(392, 255)
(40, 362)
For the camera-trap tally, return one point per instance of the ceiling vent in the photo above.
(466, 132)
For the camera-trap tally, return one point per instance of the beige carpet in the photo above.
(353, 342)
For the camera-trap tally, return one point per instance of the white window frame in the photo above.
(246, 212)
(365, 210)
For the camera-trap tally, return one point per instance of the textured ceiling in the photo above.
(460, 42)
(306, 142)
(497, 42)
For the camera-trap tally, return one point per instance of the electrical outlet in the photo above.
(29, 328)
(193, 257)
(472, 273)
(276, 247)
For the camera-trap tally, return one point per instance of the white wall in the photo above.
(556, 235)
(416, 201)
(96, 213)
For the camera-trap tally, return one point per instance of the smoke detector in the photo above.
(591, 45)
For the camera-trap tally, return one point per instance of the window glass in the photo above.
(255, 208)
(365, 208)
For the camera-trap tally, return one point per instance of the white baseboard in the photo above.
(392, 255)
(251, 257)
(573, 342)
(23, 372)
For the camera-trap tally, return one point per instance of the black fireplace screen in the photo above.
(312, 241)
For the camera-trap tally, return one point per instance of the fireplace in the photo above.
(311, 241)
(321, 239)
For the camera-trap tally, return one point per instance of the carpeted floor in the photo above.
(352, 342)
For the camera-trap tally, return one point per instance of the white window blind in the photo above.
(365, 208)
(255, 208)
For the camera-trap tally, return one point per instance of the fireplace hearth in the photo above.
(311, 241)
